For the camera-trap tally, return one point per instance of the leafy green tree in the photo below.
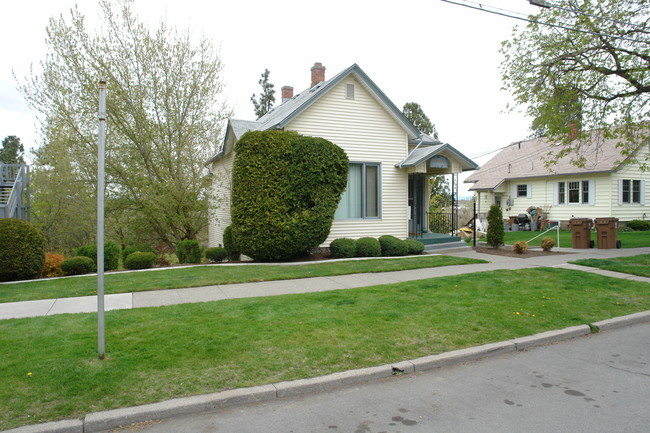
(415, 114)
(495, 231)
(164, 116)
(12, 151)
(588, 68)
(266, 99)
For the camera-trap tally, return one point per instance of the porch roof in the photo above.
(426, 152)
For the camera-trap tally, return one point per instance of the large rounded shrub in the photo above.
(140, 260)
(392, 246)
(216, 254)
(188, 251)
(22, 250)
(368, 247)
(111, 254)
(286, 188)
(78, 265)
(343, 248)
(128, 250)
(414, 246)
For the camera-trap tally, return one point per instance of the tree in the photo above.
(589, 68)
(440, 193)
(495, 231)
(12, 151)
(164, 116)
(266, 98)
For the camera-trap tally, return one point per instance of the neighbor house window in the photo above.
(631, 191)
(574, 192)
(561, 194)
(522, 190)
(361, 198)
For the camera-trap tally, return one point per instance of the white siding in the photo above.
(624, 211)
(367, 133)
(219, 209)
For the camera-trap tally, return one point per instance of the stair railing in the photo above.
(15, 177)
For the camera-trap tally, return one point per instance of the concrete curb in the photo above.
(106, 420)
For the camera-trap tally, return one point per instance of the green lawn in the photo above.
(49, 368)
(635, 265)
(628, 239)
(125, 282)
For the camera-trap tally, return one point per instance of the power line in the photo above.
(548, 5)
(480, 7)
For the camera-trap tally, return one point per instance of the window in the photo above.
(522, 190)
(349, 91)
(574, 192)
(631, 191)
(361, 198)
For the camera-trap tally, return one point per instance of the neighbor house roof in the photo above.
(527, 159)
(278, 117)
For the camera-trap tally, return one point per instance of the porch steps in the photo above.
(437, 241)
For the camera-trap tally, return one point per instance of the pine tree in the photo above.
(12, 151)
(267, 98)
(495, 232)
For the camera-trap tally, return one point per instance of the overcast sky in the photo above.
(442, 56)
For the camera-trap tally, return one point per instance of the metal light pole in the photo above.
(100, 218)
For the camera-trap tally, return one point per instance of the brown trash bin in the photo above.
(580, 232)
(607, 233)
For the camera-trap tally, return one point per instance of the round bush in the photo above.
(230, 245)
(188, 251)
(368, 247)
(343, 248)
(132, 249)
(547, 243)
(111, 254)
(78, 265)
(638, 225)
(414, 247)
(52, 266)
(216, 254)
(520, 247)
(140, 260)
(22, 250)
(285, 190)
(391, 246)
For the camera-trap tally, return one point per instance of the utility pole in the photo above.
(100, 219)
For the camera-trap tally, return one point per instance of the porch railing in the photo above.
(444, 223)
(14, 191)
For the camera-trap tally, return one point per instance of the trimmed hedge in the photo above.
(392, 246)
(22, 250)
(216, 254)
(638, 225)
(286, 188)
(132, 249)
(368, 247)
(78, 265)
(111, 254)
(414, 247)
(140, 260)
(343, 248)
(188, 251)
(230, 245)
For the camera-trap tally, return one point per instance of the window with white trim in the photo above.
(522, 190)
(362, 196)
(574, 192)
(631, 191)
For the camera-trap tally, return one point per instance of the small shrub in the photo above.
(188, 251)
(22, 250)
(520, 247)
(132, 249)
(111, 254)
(547, 243)
(368, 247)
(52, 266)
(414, 247)
(140, 260)
(639, 225)
(495, 231)
(78, 265)
(230, 245)
(216, 254)
(343, 248)
(392, 246)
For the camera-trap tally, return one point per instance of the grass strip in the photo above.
(49, 368)
(635, 265)
(628, 239)
(175, 278)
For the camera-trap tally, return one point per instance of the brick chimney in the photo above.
(574, 130)
(317, 73)
(287, 93)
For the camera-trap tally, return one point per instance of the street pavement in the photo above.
(597, 384)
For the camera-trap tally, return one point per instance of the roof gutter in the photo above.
(411, 152)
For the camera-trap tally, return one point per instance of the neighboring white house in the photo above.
(609, 185)
(387, 191)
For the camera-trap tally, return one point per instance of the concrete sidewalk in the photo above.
(156, 298)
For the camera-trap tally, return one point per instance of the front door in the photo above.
(416, 202)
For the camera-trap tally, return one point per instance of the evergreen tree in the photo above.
(267, 98)
(495, 231)
(12, 151)
(415, 114)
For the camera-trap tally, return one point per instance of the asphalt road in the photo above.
(598, 383)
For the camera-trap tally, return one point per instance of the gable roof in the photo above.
(278, 117)
(421, 154)
(526, 159)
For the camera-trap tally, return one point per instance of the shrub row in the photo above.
(370, 247)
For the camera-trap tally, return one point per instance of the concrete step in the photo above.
(447, 246)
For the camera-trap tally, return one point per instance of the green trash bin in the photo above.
(580, 232)
(607, 233)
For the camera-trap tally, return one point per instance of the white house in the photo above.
(609, 185)
(387, 192)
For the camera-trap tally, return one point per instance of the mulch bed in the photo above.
(507, 251)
